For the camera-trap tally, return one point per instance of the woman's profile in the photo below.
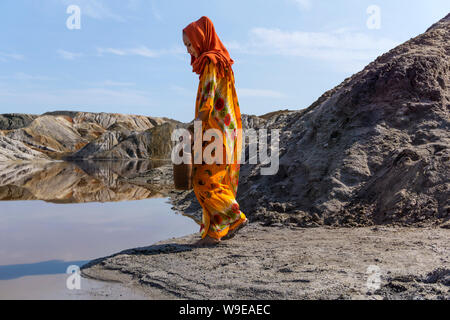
(215, 185)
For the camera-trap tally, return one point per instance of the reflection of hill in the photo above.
(64, 182)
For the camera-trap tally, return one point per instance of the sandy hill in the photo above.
(374, 149)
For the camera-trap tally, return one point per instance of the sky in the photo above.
(127, 56)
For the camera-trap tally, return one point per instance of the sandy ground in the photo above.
(289, 263)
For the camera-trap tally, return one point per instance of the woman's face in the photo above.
(189, 46)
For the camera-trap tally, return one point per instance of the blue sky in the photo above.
(128, 55)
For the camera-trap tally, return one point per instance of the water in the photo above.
(53, 215)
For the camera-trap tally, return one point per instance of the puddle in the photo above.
(61, 214)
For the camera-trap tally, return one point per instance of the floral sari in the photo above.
(215, 185)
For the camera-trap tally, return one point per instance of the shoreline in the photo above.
(288, 263)
(53, 287)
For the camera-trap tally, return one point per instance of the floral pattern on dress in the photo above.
(215, 185)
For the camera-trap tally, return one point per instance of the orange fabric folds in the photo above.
(215, 185)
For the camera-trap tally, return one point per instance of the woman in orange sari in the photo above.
(215, 185)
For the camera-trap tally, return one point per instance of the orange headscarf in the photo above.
(206, 42)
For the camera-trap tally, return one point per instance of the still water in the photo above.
(53, 215)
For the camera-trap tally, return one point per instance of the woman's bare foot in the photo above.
(207, 241)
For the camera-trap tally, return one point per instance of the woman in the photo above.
(215, 185)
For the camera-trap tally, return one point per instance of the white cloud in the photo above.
(101, 51)
(133, 4)
(181, 90)
(102, 96)
(156, 13)
(25, 76)
(4, 57)
(141, 51)
(89, 98)
(22, 76)
(96, 9)
(352, 49)
(67, 55)
(136, 6)
(303, 4)
(262, 93)
(232, 45)
(318, 44)
(110, 83)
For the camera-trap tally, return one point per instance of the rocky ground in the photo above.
(290, 263)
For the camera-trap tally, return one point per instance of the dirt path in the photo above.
(290, 263)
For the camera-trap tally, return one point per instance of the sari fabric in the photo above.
(215, 185)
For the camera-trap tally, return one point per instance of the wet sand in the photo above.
(279, 262)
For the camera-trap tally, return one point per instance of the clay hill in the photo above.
(84, 135)
(374, 149)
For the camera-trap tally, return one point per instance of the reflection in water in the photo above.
(88, 211)
(39, 239)
(14, 271)
(78, 182)
(39, 231)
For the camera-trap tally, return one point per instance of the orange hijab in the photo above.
(206, 42)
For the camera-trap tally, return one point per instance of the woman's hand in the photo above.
(203, 116)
